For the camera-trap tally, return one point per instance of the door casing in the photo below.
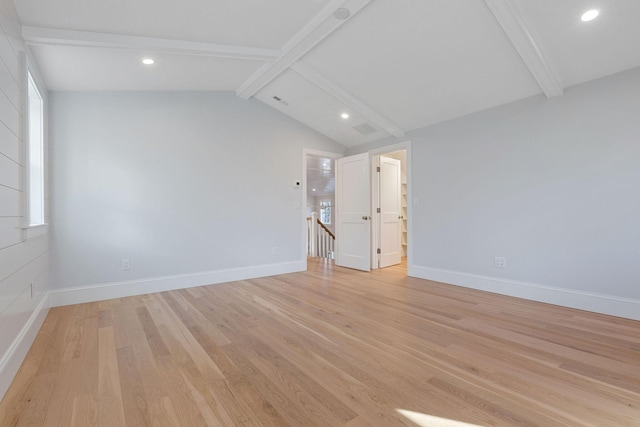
(405, 145)
(306, 153)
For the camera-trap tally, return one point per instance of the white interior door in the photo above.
(390, 218)
(353, 216)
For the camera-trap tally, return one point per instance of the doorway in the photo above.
(318, 203)
(360, 228)
(402, 152)
(359, 247)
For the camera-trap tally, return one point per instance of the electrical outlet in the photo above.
(126, 264)
(275, 250)
(500, 262)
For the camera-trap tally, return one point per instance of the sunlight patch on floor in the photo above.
(424, 420)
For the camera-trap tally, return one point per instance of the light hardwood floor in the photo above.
(328, 347)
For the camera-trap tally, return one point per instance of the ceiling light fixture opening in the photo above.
(148, 61)
(341, 14)
(344, 116)
(590, 15)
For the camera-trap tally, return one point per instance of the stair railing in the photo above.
(320, 240)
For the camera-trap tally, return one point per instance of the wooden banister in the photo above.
(324, 227)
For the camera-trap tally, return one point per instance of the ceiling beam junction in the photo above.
(319, 28)
(510, 19)
(347, 99)
(39, 36)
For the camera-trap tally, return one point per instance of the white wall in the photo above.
(551, 184)
(22, 263)
(179, 183)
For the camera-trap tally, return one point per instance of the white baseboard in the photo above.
(598, 303)
(15, 354)
(105, 291)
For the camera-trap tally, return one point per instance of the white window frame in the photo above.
(40, 227)
(322, 208)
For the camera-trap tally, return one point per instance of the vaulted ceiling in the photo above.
(392, 65)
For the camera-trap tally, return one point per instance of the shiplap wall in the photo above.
(23, 264)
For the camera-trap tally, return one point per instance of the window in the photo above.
(325, 211)
(35, 154)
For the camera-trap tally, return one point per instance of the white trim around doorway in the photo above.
(404, 145)
(305, 153)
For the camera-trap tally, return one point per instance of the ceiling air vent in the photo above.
(280, 100)
(365, 129)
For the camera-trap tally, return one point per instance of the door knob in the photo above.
(400, 217)
(366, 217)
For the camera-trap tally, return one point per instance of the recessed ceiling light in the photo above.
(313, 189)
(148, 61)
(344, 115)
(590, 15)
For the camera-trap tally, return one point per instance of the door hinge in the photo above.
(379, 251)
(378, 210)
(378, 169)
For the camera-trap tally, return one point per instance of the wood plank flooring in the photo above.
(328, 347)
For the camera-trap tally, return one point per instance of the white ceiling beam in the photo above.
(38, 36)
(509, 17)
(320, 27)
(347, 99)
